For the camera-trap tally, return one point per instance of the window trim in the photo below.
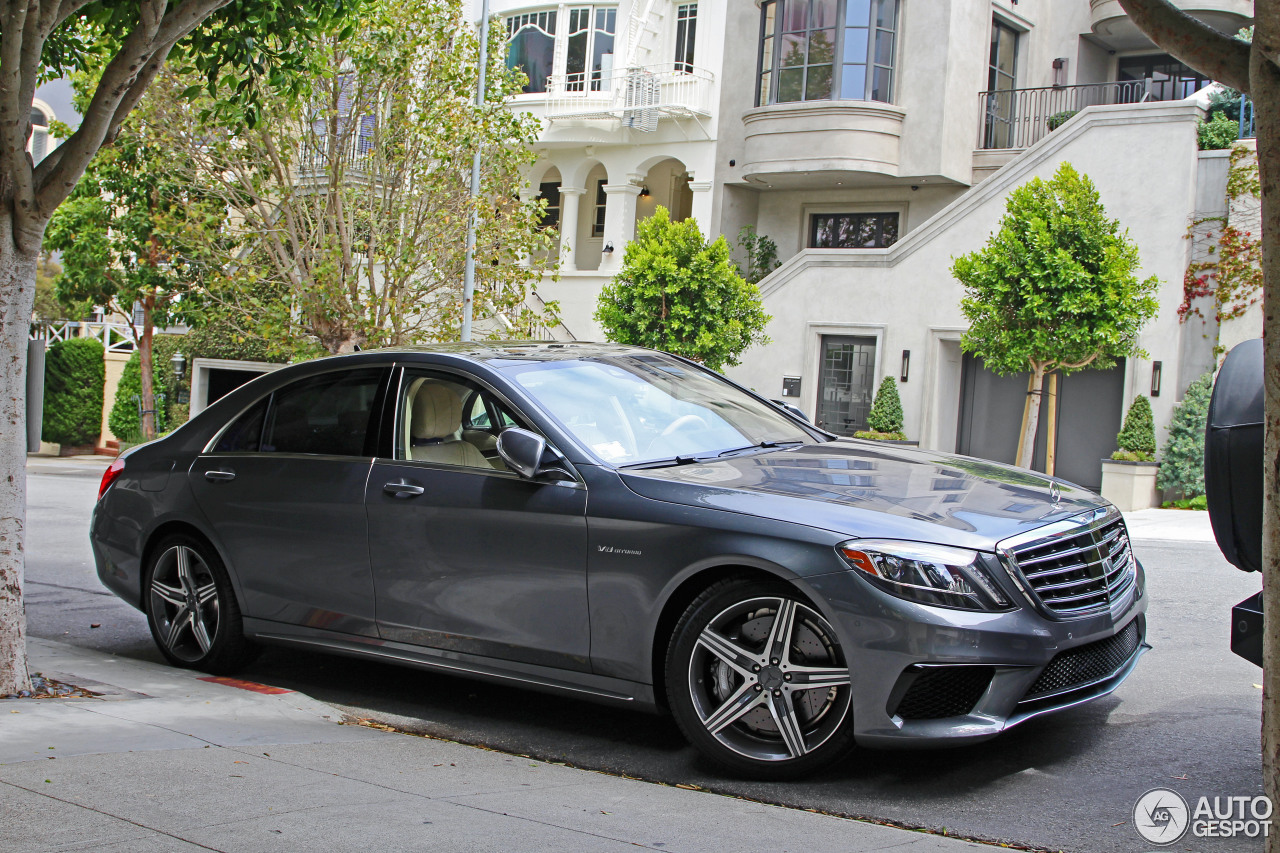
(763, 99)
(809, 211)
(686, 37)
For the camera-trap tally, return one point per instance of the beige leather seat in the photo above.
(435, 423)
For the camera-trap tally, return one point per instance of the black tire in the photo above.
(184, 577)
(788, 714)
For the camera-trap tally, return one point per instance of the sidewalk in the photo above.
(165, 761)
(1170, 525)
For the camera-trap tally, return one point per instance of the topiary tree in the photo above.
(1055, 288)
(885, 418)
(1137, 438)
(74, 375)
(124, 421)
(678, 293)
(1182, 461)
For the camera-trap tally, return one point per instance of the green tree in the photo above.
(244, 42)
(1182, 460)
(761, 254)
(1137, 437)
(74, 376)
(1220, 131)
(117, 233)
(1055, 288)
(886, 410)
(678, 293)
(124, 420)
(349, 209)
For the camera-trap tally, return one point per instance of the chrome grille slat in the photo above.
(1081, 570)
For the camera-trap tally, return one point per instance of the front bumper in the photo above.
(929, 676)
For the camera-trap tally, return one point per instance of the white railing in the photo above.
(636, 96)
(115, 337)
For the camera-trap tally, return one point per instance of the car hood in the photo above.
(864, 488)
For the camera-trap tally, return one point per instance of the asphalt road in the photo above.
(1187, 719)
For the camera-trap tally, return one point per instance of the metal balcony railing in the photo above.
(350, 155)
(637, 97)
(1019, 118)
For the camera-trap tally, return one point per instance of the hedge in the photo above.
(75, 373)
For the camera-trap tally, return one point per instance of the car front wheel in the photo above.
(192, 610)
(757, 681)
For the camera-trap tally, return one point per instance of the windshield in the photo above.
(631, 410)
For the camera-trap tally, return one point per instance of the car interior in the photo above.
(434, 429)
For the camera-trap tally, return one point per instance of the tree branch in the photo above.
(1214, 54)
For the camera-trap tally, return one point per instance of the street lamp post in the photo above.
(469, 274)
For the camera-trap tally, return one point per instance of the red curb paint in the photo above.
(251, 686)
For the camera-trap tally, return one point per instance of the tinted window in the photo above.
(244, 435)
(326, 414)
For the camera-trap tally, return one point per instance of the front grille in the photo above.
(1079, 571)
(944, 691)
(1087, 664)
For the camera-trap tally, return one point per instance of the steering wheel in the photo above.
(683, 422)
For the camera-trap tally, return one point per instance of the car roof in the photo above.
(519, 350)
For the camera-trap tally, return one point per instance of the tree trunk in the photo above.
(1265, 85)
(148, 395)
(17, 298)
(1033, 417)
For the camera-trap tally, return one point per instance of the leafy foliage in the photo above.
(678, 293)
(1055, 288)
(1226, 101)
(74, 375)
(1182, 460)
(1058, 119)
(761, 252)
(349, 208)
(886, 408)
(123, 420)
(1137, 436)
(1218, 132)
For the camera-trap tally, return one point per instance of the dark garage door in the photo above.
(1090, 409)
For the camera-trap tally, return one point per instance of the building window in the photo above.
(550, 190)
(597, 223)
(813, 50)
(1170, 79)
(853, 230)
(590, 48)
(531, 47)
(1001, 82)
(686, 29)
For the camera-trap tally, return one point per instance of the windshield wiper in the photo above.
(666, 463)
(764, 445)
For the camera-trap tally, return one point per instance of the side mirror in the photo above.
(527, 454)
(793, 409)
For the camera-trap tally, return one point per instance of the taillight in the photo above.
(109, 475)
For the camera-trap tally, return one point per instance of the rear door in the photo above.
(284, 488)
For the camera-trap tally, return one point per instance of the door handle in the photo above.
(219, 476)
(403, 490)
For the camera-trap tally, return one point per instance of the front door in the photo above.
(284, 488)
(468, 556)
(846, 383)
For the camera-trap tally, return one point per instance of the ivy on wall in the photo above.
(1230, 269)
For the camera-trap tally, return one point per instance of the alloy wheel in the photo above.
(768, 679)
(185, 603)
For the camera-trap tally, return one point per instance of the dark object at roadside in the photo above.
(1233, 480)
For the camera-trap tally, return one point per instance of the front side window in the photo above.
(853, 230)
(631, 410)
(814, 50)
(531, 47)
(328, 414)
(686, 31)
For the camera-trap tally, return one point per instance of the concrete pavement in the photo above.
(164, 760)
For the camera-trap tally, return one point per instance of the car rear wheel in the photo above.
(757, 680)
(192, 609)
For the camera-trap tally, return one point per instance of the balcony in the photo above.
(1118, 32)
(637, 97)
(347, 156)
(1019, 118)
(818, 144)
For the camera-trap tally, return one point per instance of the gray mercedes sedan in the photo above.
(622, 525)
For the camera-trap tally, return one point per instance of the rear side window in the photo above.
(328, 414)
(245, 435)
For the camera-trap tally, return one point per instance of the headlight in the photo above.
(929, 574)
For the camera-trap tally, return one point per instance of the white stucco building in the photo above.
(873, 141)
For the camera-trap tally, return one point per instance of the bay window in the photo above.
(813, 50)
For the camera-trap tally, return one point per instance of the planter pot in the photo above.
(1130, 485)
